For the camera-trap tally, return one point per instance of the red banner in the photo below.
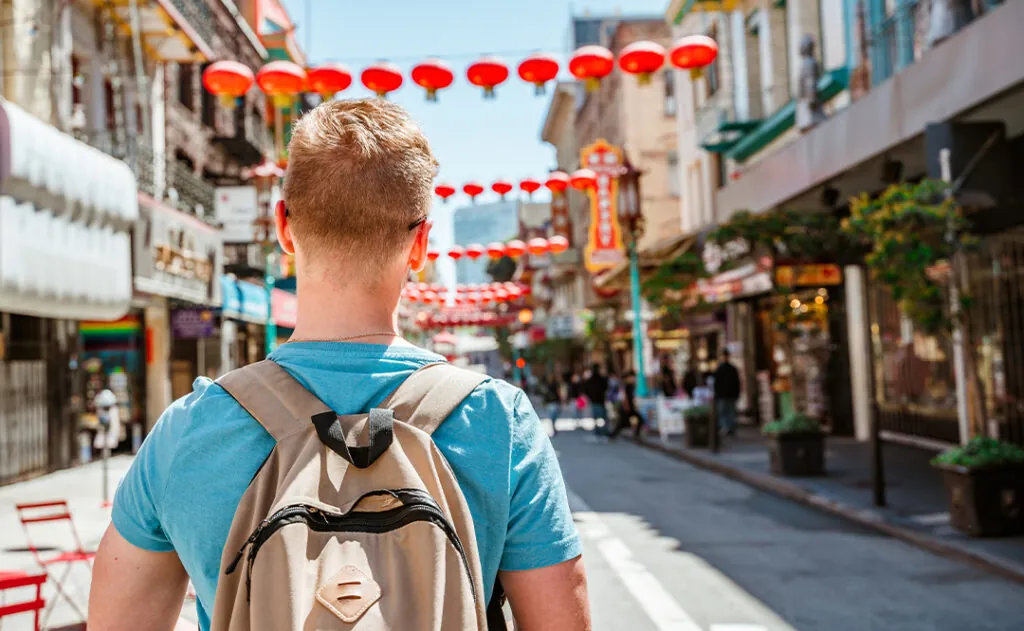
(604, 246)
(560, 216)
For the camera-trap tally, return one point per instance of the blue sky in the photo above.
(472, 138)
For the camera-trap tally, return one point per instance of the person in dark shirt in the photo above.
(552, 392)
(628, 412)
(595, 388)
(727, 392)
(691, 379)
(668, 379)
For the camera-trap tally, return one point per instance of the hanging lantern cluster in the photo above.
(556, 182)
(475, 294)
(463, 318)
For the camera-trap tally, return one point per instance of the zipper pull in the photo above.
(248, 542)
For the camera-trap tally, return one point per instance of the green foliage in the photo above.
(675, 276)
(797, 423)
(698, 411)
(982, 452)
(784, 233)
(909, 230)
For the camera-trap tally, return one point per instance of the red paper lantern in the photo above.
(558, 244)
(472, 298)
(583, 179)
(413, 295)
(501, 187)
(495, 250)
(429, 297)
(538, 69)
(444, 191)
(557, 181)
(591, 64)
(228, 80)
(472, 189)
(500, 295)
(642, 59)
(529, 185)
(694, 53)
(281, 81)
(515, 248)
(433, 255)
(328, 79)
(487, 296)
(487, 73)
(432, 75)
(537, 246)
(514, 292)
(382, 78)
(474, 251)
(456, 253)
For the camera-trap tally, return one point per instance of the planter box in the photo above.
(798, 454)
(985, 502)
(698, 430)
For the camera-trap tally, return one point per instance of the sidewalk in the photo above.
(916, 511)
(81, 487)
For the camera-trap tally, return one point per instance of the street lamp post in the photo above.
(264, 176)
(631, 217)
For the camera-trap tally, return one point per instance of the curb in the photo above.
(866, 518)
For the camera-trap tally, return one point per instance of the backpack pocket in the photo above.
(358, 567)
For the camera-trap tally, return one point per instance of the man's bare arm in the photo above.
(134, 588)
(549, 599)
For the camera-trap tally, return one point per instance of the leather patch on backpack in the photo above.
(349, 594)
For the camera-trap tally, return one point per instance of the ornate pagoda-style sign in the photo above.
(604, 244)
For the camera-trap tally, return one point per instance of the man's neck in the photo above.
(327, 312)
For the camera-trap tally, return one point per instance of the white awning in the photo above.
(66, 210)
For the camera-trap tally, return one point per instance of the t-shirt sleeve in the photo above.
(137, 502)
(541, 531)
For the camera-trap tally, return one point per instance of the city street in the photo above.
(669, 547)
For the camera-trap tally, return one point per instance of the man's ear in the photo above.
(284, 228)
(420, 245)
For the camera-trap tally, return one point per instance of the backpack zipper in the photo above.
(417, 506)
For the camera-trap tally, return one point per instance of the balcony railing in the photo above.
(914, 26)
(717, 125)
(163, 179)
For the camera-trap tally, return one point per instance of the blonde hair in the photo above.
(359, 173)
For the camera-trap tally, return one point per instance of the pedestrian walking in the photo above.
(596, 390)
(278, 485)
(727, 392)
(691, 380)
(669, 388)
(552, 395)
(629, 414)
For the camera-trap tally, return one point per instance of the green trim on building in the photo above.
(683, 10)
(834, 82)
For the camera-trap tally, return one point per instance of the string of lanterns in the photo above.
(449, 320)
(557, 182)
(477, 294)
(284, 80)
(496, 250)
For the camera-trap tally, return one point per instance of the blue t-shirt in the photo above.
(183, 488)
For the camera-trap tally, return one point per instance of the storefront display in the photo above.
(113, 359)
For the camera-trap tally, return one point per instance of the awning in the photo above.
(243, 300)
(65, 212)
(650, 258)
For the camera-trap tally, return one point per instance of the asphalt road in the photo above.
(669, 546)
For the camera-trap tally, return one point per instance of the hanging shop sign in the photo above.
(560, 216)
(604, 248)
(176, 255)
(747, 280)
(236, 209)
(190, 324)
(816, 275)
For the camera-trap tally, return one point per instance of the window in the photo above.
(674, 188)
(185, 92)
(670, 93)
(711, 73)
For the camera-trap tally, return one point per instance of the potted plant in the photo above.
(697, 421)
(985, 483)
(797, 445)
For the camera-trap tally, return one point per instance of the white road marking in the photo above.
(663, 610)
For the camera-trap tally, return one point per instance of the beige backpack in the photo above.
(332, 536)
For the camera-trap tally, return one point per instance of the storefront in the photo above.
(177, 261)
(243, 320)
(114, 358)
(66, 210)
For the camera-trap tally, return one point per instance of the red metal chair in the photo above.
(16, 580)
(31, 517)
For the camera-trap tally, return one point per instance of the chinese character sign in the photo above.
(560, 216)
(604, 244)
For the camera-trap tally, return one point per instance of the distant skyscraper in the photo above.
(483, 223)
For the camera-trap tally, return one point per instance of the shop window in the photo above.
(185, 88)
(670, 93)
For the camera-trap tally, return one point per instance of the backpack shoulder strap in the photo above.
(273, 397)
(428, 396)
